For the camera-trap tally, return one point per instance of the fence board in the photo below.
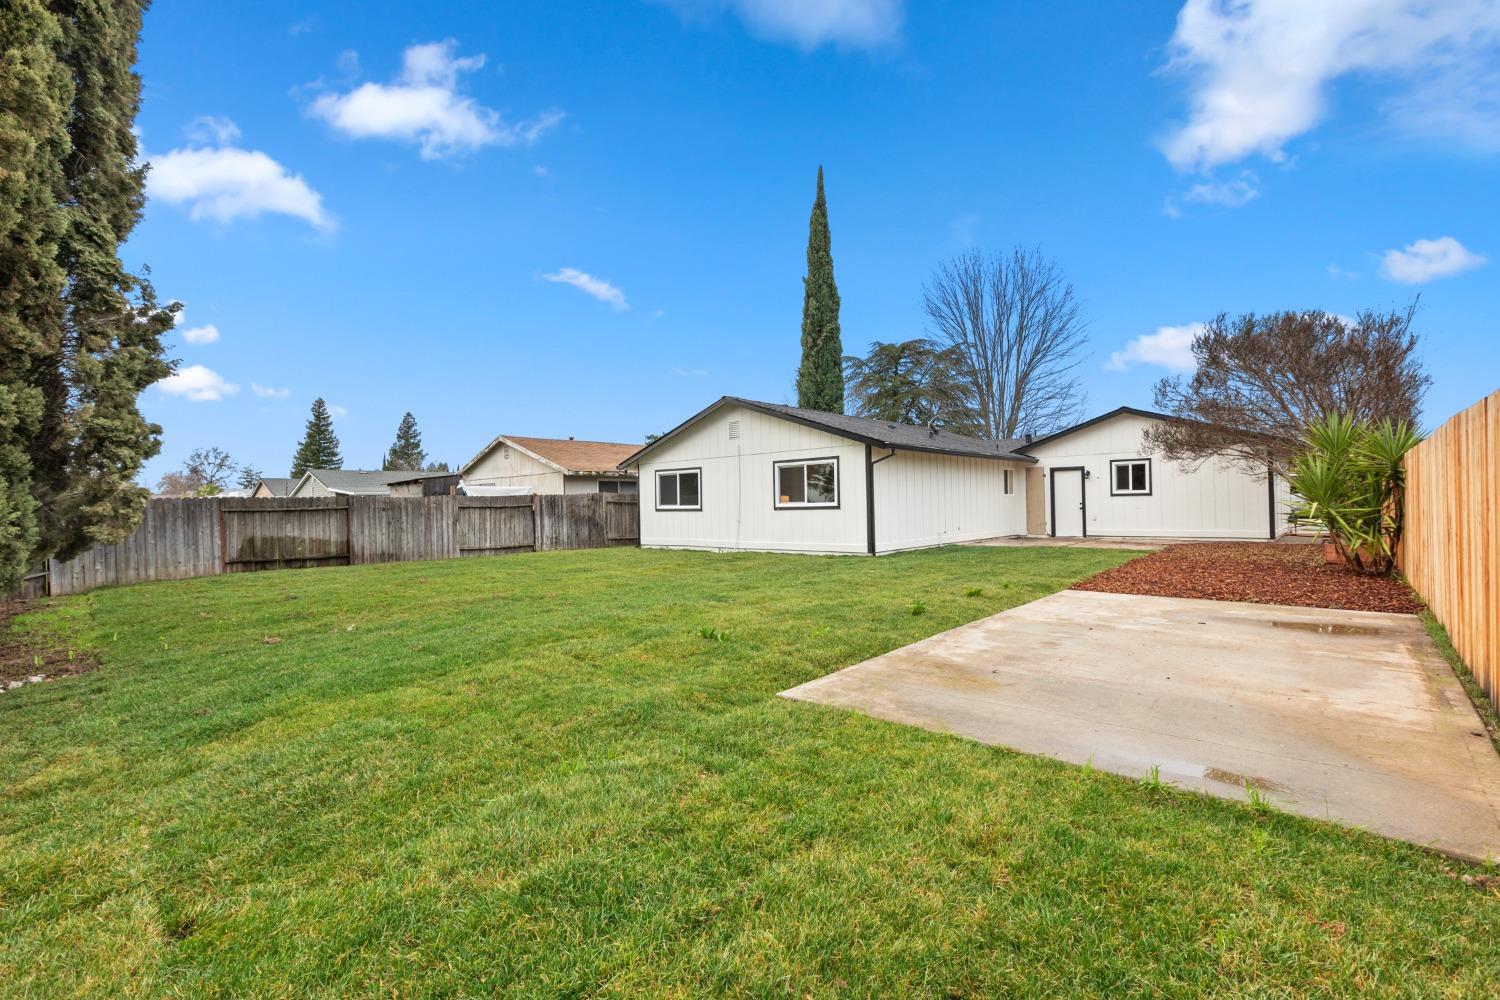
(177, 539)
(1451, 551)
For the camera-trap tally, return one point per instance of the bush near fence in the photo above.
(1451, 552)
(178, 539)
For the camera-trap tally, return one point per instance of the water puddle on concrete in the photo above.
(1239, 780)
(1326, 628)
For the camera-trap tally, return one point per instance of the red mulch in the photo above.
(1254, 571)
(23, 656)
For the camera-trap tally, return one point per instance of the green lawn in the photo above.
(534, 775)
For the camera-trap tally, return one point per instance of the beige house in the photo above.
(552, 465)
(273, 486)
(353, 482)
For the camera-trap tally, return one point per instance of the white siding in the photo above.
(924, 499)
(738, 488)
(520, 469)
(590, 484)
(1214, 501)
(312, 488)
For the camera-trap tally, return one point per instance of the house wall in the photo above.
(312, 488)
(519, 469)
(924, 499)
(1214, 501)
(590, 484)
(738, 488)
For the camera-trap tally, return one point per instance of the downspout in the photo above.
(870, 463)
(1271, 499)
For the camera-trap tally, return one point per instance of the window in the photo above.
(609, 486)
(1010, 482)
(1130, 477)
(810, 483)
(678, 489)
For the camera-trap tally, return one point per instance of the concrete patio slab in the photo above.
(1349, 716)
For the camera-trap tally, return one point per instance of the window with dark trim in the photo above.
(1010, 481)
(1130, 477)
(812, 482)
(679, 489)
(609, 486)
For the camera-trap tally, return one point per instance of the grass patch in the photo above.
(545, 775)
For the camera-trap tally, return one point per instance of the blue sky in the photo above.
(590, 219)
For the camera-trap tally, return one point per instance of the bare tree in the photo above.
(207, 471)
(1016, 328)
(1261, 380)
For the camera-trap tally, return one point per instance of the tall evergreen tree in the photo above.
(320, 446)
(820, 377)
(80, 338)
(406, 453)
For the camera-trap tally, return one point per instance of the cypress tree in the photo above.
(80, 338)
(820, 377)
(320, 446)
(406, 453)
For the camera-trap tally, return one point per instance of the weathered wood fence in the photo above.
(1451, 551)
(178, 539)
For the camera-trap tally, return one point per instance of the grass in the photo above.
(1482, 703)
(567, 774)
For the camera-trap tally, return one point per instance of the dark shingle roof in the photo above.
(278, 485)
(879, 433)
(361, 482)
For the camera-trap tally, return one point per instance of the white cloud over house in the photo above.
(1260, 72)
(424, 105)
(268, 392)
(1169, 347)
(205, 334)
(198, 384)
(222, 182)
(589, 285)
(1424, 260)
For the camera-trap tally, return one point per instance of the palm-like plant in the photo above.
(1351, 480)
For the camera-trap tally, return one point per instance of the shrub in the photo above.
(1351, 481)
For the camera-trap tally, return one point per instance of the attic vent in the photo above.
(505, 453)
(734, 430)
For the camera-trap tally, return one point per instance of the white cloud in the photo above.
(423, 105)
(205, 334)
(1424, 260)
(1228, 194)
(223, 182)
(809, 23)
(213, 130)
(267, 392)
(197, 383)
(690, 372)
(337, 411)
(590, 285)
(1337, 273)
(1259, 70)
(1171, 347)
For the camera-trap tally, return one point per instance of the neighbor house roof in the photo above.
(576, 458)
(279, 486)
(877, 433)
(358, 482)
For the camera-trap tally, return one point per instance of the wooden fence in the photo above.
(178, 539)
(1451, 551)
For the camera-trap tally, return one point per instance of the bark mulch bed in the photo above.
(1262, 573)
(23, 658)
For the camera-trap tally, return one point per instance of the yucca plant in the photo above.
(1351, 480)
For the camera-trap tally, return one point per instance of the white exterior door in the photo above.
(1067, 503)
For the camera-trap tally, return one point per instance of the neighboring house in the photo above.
(748, 475)
(1095, 478)
(425, 484)
(552, 465)
(351, 482)
(273, 487)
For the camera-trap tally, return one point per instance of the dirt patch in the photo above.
(26, 657)
(1262, 573)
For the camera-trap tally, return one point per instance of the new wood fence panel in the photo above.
(1451, 551)
(622, 520)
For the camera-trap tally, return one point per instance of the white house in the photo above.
(748, 475)
(1096, 478)
(551, 465)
